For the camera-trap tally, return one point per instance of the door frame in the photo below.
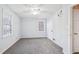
(72, 29)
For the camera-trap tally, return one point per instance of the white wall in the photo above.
(0, 27)
(50, 31)
(55, 29)
(61, 28)
(9, 40)
(30, 28)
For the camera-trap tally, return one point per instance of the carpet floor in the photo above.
(34, 46)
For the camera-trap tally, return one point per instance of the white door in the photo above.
(76, 31)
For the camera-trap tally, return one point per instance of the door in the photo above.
(76, 30)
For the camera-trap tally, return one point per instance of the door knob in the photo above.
(75, 33)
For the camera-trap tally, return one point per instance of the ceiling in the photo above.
(25, 10)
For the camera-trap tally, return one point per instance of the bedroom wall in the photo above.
(59, 28)
(55, 29)
(30, 28)
(7, 40)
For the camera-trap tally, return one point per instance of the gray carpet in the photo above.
(34, 46)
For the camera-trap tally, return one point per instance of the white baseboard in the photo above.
(33, 37)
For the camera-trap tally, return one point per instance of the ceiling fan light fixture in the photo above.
(35, 11)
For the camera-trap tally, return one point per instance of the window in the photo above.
(6, 25)
(41, 26)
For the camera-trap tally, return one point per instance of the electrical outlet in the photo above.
(53, 38)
